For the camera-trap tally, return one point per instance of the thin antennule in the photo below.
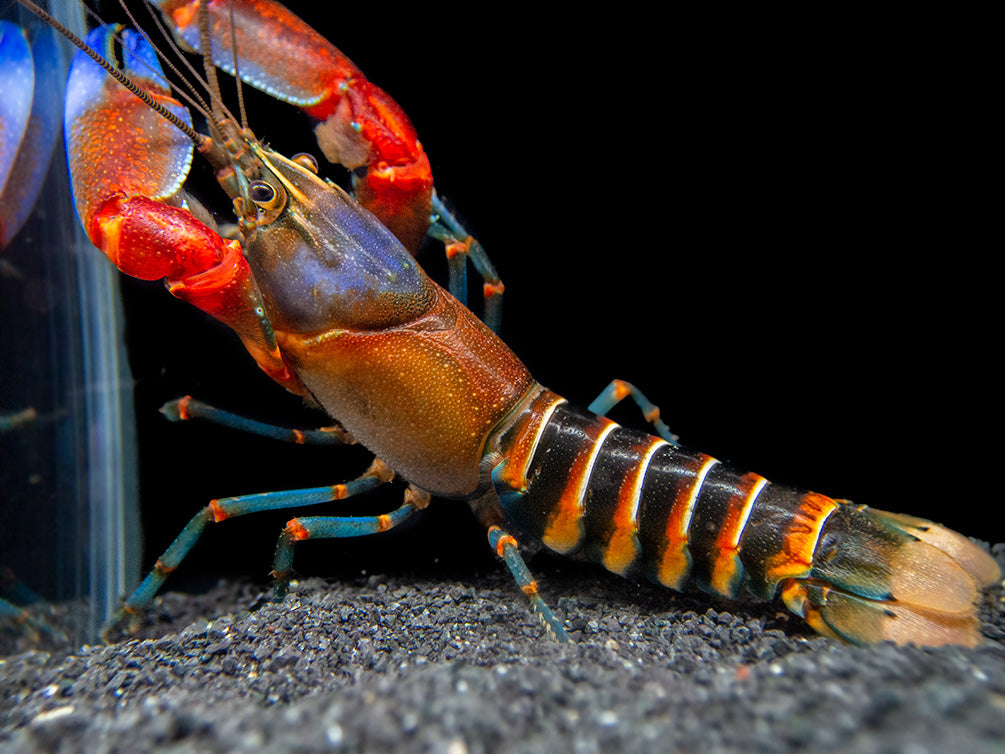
(237, 69)
(203, 107)
(116, 74)
(192, 97)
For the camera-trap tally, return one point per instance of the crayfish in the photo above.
(323, 289)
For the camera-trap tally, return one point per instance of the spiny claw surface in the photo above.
(115, 142)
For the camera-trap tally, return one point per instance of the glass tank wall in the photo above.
(68, 522)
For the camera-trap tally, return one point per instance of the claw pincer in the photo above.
(359, 125)
(30, 74)
(128, 166)
(17, 82)
(115, 143)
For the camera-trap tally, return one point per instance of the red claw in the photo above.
(115, 142)
(359, 125)
(126, 161)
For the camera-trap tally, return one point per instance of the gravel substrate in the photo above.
(439, 663)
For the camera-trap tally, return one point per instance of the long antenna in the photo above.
(215, 100)
(115, 73)
(192, 96)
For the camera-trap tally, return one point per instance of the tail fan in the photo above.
(881, 576)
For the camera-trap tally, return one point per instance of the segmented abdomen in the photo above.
(643, 507)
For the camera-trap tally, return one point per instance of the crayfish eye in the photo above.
(306, 160)
(269, 199)
(266, 196)
(261, 192)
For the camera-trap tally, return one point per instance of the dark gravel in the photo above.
(440, 663)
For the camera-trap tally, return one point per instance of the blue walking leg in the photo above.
(21, 617)
(337, 527)
(460, 248)
(17, 419)
(619, 390)
(229, 507)
(188, 408)
(507, 549)
(16, 595)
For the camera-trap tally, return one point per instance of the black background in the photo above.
(767, 223)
